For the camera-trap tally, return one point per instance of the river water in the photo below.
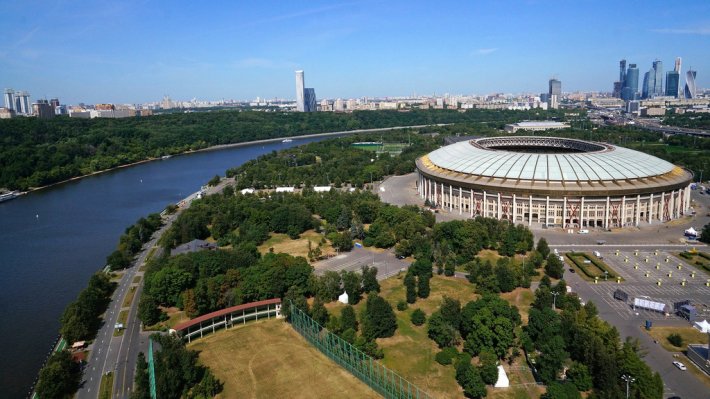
(52, 240)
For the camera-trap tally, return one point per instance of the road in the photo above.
(119, 354)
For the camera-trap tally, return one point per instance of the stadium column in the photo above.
(650, 209)
(530, 212)
(499, 207)
(623, 211)
(485, 205)
(515, 210)
(671, 207)
(581, 212)
(471, 203)
(638, 209)
(564, 212)
(451, 198)
(547, 211)
(687, 197)
(460, 201)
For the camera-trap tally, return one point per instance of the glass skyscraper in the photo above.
(309, 100)
(658, 82)
(632, 83)
(672, 83)
(299, 91)
(649, 84)
(690, 84)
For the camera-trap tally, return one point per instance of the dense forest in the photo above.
(38, 151)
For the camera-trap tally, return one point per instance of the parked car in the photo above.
(583, 232)
(680, 365)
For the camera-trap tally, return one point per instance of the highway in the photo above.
(119, 354)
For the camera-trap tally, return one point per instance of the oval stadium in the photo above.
(553, 181)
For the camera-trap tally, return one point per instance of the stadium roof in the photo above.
(603, 163)
(539, 124)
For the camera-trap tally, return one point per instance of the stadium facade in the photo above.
(553, 182)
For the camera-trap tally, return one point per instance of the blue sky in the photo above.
(137, 51)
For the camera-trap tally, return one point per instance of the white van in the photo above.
(583, 232)
(598, 255)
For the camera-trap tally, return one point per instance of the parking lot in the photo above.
(643, 270)
(386, 262)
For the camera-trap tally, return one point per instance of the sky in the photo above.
(139, 51)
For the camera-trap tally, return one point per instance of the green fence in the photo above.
(378, 377)
(151, 371)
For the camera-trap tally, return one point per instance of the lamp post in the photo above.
(606, 274)
(628, 380)
(523, 256)
(554, 300)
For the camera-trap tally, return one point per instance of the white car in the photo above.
(680, 365)
(583, 232)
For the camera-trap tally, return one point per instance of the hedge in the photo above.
(704, 255)
(573, 257)
(686, 255)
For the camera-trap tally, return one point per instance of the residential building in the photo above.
(10, 99)
(309, 100)
(338, 104)
(43, 109)
(22, 103)
(300, 92)
(7, 113)
(633, 107)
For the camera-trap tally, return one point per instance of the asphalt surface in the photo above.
(119, 354)
(647, 238)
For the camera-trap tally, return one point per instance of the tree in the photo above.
(505, 277)
(469, 378)
(351, 282)
(380, 320)
(117, 261)
(554, 267)
(423, 287)
(543, 248)
(59, 378)
(329, 285)
(410, 282)
(148, 311)
(675, 340)
(188, 304)
(579, 374)
(214, 181)
(451, 311)
(440, 331)
(552, 359)
(369, 279)
(450, 268)
(319, 313)
(418, 317)
(489, 368)
(348, 319)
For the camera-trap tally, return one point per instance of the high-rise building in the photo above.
(622, 71)
(309, 100)
(555, 87)
(649, 79)
(10, 99)
(658, 81)
(677, 65)
(167, 103)
(54, 102)
(672, 83)
(632, 83)
(300, 95)
(338, 104)
(43, 109)
(690, 84)
(22, 103)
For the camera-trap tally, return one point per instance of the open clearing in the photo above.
(268, 359)
(299, 247)
(690, 335)
(411, 353)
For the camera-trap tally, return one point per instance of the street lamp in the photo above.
(628, 380)
(554, 300)
(606, 273)
(523, 256)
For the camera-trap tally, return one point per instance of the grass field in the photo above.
(523, 299)
(694, 258)
(122, 317)
(591, 267)
(129, 297)
(411, 353)
(299, 247)
(136, 279)
(106, 387)
(690, 336)
(268, 359)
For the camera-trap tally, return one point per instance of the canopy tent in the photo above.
(503, 381)
(343, 298)
(702, 326)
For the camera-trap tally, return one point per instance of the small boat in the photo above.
(287, 141)
(8, 196)
(165, 157)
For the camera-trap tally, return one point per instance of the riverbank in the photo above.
(242, 144)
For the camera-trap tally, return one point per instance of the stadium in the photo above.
(553, 182)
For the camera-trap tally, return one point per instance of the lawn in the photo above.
(410, 352)
(695, 257)
(129, 297)
(523, 299)
(690, 336)
(136, 279)
(106, 388)
(175, 317)
(268, 359)
(298, 247)
(122, 317)
(595, 268)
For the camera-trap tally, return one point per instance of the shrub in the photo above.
(699, 263)
(704, 255)
(367, 242)
(418, 317)
(685, 255)
(675, 340)
(402, 306)
(443, 358)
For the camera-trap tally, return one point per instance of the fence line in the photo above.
(368, 370)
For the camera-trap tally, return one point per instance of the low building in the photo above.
(285, 189)
(194, 246)
(653, 111)
(534, 126)
(322, 189)
(7, 113)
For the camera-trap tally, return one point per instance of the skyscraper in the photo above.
(672, 83)
(555, 87)
(690, 84)
(300, 100)
(622, 71)
(649, 82)
(658, 81)
(22, 103)
(309, 100)
(677, 65)
(631, 84)
(10, 99)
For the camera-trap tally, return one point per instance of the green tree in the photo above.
(348, 319)
(117, 261)
(440, 331)
(418, 317)
(579, 374)
(214, 181)
(554, 267)
(351, 282)
(552, 359)
(469, 378)
(423, 286)
(369, 279)
(148, 311)
(543, 248)
(319, 313)
(59, 378)
(489, 368)
(410, 282)
(380, 320)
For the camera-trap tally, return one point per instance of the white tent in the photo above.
(702, 326)
(691, 232)
(503, 381)
(343, 298)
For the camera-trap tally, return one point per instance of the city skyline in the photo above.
(352, 50)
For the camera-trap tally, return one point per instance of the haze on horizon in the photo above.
(137, 51)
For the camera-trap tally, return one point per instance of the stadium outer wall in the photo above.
(584, 204)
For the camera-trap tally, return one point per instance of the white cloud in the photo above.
(483, 51)
(699, 31)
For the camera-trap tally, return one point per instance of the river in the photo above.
(52, 240)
